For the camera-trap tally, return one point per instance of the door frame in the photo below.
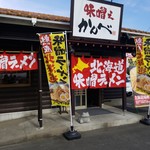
(80, 93)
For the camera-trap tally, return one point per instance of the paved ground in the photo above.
(26, 128)
(127, 137)
(130, 106)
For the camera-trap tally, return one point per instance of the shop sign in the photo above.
(55, 59)
(97, 72)
(96, 19)
(18, 62)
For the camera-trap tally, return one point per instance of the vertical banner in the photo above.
(139, 75)
(55, 59)
(143, 66)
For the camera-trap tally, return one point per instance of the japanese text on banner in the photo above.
(18, 62)
(143, 64)
(97, 72)
(54, 53)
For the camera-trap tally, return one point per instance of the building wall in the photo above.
(17, 38)
(14, 38)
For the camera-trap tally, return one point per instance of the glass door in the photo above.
(80, 97)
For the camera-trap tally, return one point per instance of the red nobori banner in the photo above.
(18, 62)
(97, 72)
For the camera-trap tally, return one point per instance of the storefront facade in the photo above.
(18, 33)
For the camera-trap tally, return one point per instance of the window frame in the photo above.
(28, 77)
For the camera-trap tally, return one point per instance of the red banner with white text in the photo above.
(97, 72)
(18, 62)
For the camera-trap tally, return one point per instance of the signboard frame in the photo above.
(115, 34)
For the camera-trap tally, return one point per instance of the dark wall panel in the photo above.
(24, 98)
(111, 93)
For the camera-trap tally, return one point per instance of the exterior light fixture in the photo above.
(34, 21)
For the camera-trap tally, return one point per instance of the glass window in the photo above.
(13, 79)
(77, 101)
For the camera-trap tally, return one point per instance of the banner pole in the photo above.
(68, 67)
(71, 134)
(147, 119)
(40, 117)
(148, 113)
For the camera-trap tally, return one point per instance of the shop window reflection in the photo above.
(14, 79)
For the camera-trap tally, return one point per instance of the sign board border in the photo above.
(103, 2)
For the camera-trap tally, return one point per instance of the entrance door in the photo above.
(93, 98)
(80, 97)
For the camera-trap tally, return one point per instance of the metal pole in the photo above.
(124, 100)
(40, 119)
(148, 113)
(147, 119)
(71, 120)
(71, 134)
(124, 97)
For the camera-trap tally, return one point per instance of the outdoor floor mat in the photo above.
(94, 111)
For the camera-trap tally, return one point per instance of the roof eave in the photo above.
(135, 33)
(62, 25)
(9, 19)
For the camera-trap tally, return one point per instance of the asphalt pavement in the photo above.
(127, 137)
(55, 124)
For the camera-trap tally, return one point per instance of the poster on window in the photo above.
(55, 59)
(97, 72)
(96, 19)
(18, 62)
